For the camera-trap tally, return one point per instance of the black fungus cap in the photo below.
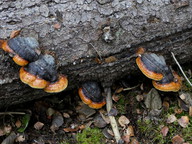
(92, 91)
(25, 47)
(168, 78)
(155, 63)
(44, 67)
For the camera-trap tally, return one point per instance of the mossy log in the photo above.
(83, 34)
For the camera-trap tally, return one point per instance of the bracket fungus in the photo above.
(90, 94)
(154, 67)
(42, 74)
(22, 49)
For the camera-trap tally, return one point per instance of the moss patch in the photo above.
(90, 136)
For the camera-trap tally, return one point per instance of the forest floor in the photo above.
(143, 114)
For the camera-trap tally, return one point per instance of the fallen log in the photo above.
(93, 40)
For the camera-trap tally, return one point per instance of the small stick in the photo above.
(12, 113)
(130, 88)
(112, 118)
(181, 68)
(96, 51)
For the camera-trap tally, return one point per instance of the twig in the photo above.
(12, 113)
(181, 68)
(112, 118)
(96, 51)
(130, 88)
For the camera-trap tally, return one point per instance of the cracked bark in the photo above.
(160, 26)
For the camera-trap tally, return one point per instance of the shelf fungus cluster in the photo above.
(23, 50)
(42, 74)
(38, 70)
(90, 94)
(154, 67)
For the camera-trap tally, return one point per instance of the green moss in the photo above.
(152, 130)
(90, 136)
(121, 104)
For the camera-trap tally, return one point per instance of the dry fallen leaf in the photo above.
(10, 138)
(164, 131)
(138, 111)
(99, 121)
(106, 133)
(110, 132)
(66, 115)
(183, 121)
(139, 98)
(71, 129)
(38, 125)
(81, 127)
(20, 138)
(165, 105)
(113, 112)
(178, 111)
(18, 123)
(119, 90)
(126, 139)
(129, 131)
(123, 121)
(110, 59)
(177, 140)
(134, 141)
(153, 100)
(56, 122)
(116, 97)
(171, 118)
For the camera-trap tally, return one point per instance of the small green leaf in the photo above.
(24, 122)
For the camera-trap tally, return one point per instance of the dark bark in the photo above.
(160, 26)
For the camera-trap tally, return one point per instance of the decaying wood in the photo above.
(83, 33)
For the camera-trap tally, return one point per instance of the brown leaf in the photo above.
(116, 97)
(123, 121)
(66, 115)
(81, 127)
(18, 123)
(134, 141)
(171, 118)
(139, 98)
(183, 121)
(165, 105)
(38, 125)
(126, 139)
(164, 131)
(71, 129)
(178, 111)
(177, 140)
(97, 60)
(110, 59)
(20, 138)
(129, 131)
(15, 33)
(119, 90)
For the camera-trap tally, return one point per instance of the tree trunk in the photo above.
(84, 33)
